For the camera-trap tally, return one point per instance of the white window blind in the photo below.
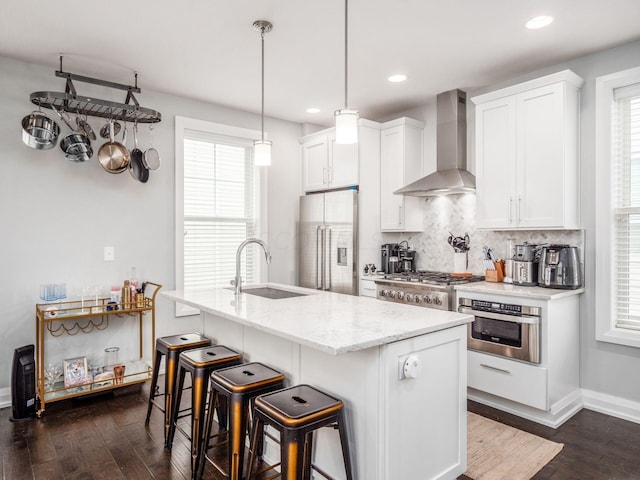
(625, 144)
(219, 210)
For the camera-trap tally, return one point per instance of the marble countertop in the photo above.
(331, 322)
(508, 289)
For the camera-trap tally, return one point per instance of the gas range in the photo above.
(422, 288)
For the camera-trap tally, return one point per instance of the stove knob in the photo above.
(427, 299)
(437, 300)
(383, 293)
(418, 299)
(400, 295)
(392, 294)
(409, 298)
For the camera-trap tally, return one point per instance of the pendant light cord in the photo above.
(262, 102)
(346, 50)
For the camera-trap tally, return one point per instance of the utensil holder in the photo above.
(459, 262)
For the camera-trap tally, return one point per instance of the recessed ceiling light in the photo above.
(539, 22)
(313, 110)
(397, 78)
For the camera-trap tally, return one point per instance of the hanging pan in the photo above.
(136, 167)
(114, 156)
(151, 158)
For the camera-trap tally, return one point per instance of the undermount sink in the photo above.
(270, 292)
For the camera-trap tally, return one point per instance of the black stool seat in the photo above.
(296, 412)
(240, 385)
(171, 347)
(200, 362)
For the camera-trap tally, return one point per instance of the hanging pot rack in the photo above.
(70, 101)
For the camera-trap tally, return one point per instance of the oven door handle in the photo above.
(528, 319)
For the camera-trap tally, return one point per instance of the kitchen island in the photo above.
(402, 422)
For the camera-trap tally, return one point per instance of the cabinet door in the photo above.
(314, 165)
(541, 172)
(496, 163)
(391, 178)
(343, 164)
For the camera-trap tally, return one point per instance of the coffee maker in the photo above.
(390, 258)
(407, 260)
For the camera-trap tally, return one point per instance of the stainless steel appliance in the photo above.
(525, 273)
(507, 330)
(407, 260)
(328, 236)
(559, 267)
(423, 288)
(389, 258)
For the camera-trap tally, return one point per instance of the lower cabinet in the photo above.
(367, 288)
(517, 381)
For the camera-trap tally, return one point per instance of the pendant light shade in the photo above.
(262, 153)
(262, 147)
(346, 119)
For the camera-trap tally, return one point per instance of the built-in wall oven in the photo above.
(507, 330)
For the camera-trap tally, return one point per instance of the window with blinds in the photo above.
(625, 142)
(219, 208)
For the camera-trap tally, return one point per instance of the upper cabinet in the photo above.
(527, 170)
(326, 164)
(400, 164)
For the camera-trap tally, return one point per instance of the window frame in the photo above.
(260, 184)
(606, 329)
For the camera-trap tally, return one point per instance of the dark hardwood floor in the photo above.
(105, 438)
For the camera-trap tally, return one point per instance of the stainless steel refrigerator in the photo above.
(328, 241)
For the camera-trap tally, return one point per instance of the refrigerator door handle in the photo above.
(319, 257)
(327, 250)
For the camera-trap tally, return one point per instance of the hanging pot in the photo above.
(136, 166)
(114, 156)
(39, 131)
(76, 145)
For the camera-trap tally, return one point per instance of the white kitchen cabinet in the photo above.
(527, 168)
(400, 164)
(326, 164)
(548, 392)
(367, 288)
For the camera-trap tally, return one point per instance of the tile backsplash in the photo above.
(456, 214)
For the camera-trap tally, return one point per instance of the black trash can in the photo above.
(23, 383)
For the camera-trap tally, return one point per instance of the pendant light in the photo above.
(262, 147)
(346, 119)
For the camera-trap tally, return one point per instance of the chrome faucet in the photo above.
(267, 256)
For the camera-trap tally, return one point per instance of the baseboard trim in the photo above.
(5, 397)
(609, 405)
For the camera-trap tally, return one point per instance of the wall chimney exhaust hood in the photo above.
(451, 175)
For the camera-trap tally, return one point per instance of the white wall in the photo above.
(605, 368)
(57, 216)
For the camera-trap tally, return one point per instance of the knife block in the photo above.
(496, 275)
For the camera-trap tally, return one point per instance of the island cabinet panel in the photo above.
(398, 427)
(423, 419)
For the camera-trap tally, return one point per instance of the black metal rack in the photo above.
(70, 101)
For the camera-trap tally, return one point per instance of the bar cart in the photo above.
(82, 316)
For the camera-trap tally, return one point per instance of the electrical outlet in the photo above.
(109, 254)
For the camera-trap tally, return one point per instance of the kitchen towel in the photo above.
(499, 452)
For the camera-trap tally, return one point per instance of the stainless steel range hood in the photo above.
(451, 175)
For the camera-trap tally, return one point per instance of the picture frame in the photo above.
(75, 371)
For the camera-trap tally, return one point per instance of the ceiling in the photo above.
(208, 49)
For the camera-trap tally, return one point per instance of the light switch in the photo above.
(109, 254)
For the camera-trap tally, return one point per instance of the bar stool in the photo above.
(171, 346)
(199, 362)
(296, 412)
(240, 385)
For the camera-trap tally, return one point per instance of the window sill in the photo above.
(620, 336)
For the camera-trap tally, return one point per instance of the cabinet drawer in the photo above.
(520, 382)
(368, 288)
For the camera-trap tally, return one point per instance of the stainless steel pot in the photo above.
(39, 131)
(76, 145)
